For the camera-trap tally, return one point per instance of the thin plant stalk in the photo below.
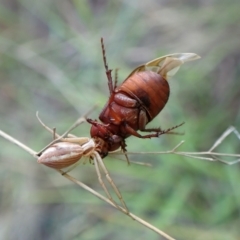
(134, 217)
(209, 155)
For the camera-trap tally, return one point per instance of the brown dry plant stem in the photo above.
(141, 221)
(207, 155)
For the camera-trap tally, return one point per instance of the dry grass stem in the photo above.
(207, 155)
(141, 221)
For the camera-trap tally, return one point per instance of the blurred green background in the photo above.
(51, 62)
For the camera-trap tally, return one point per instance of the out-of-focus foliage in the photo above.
(50, 61)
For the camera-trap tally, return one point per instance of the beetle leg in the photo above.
(159, 130)
(151, 129)
(157, 133)
(168, 131)
(123, 147)
(93, 122)
(131, 131)
(115, 79)
(108, 72)
(101, 127)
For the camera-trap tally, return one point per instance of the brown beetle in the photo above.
(136, 102)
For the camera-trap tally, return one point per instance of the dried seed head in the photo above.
(61, 155)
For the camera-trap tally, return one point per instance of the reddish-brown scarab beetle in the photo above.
(136, 102)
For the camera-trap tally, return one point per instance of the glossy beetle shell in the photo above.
(150, 89)
(136, 101)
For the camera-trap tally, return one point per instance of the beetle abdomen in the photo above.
(149, 88)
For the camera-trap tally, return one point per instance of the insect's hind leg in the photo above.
(108, 71)
(157, 131)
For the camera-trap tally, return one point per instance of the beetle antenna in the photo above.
(108, 72)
